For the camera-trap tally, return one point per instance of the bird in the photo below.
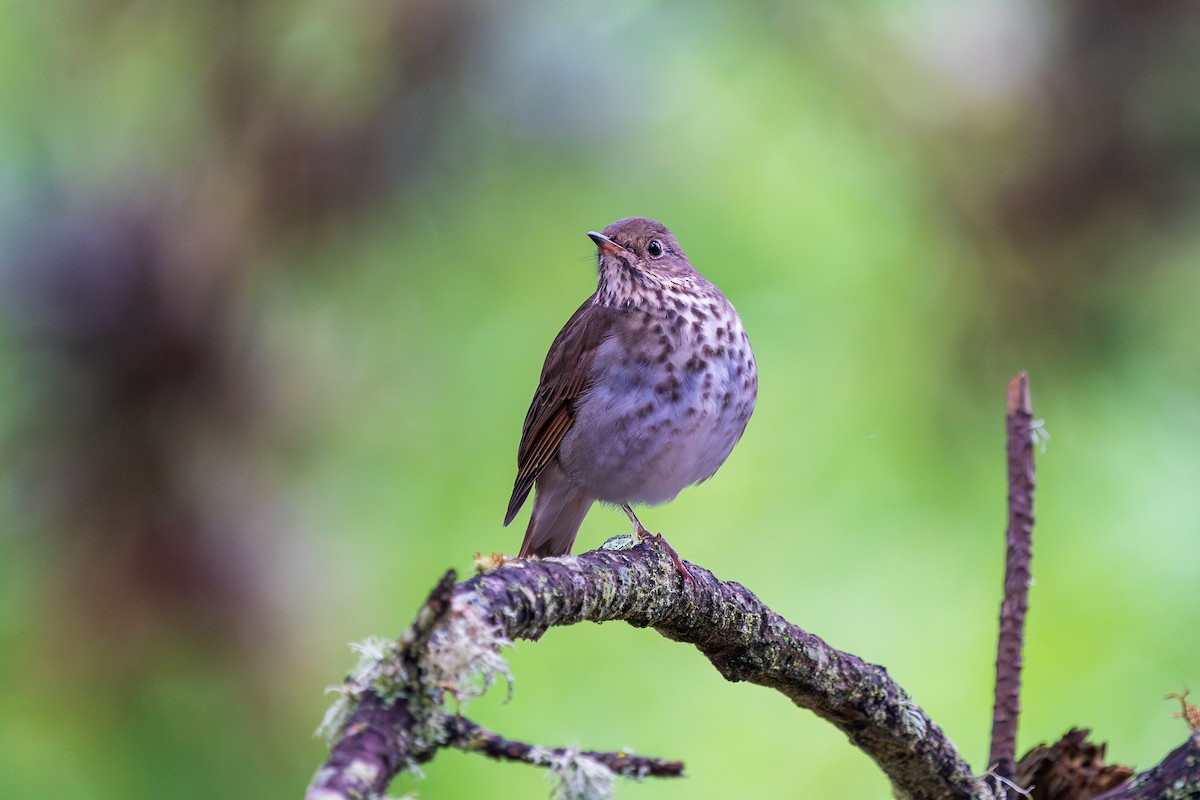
(644, 392)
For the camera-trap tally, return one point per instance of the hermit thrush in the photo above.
(645, 390)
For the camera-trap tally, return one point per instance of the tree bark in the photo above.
(402, 719)
(743, 639)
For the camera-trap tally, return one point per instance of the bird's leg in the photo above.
(640, 532)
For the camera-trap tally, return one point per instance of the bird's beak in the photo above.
(605, 244)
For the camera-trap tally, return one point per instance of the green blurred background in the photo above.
(277, 281)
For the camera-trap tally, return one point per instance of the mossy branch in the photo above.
(395, 710)
(387, 725)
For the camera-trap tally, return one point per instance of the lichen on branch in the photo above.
(744, 640)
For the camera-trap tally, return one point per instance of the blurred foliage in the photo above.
(277, 283)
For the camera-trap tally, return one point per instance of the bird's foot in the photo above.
(639, 530)
(662, 542)
(640, 533)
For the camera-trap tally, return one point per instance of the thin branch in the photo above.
(472, 738)
(1007, 706)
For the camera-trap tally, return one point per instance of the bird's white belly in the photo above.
(637, 440)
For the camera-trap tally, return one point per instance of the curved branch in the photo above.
(743, 639)
(394, 713)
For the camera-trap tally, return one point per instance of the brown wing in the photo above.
(565, 376)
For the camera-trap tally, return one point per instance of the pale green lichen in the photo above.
(461, 661)
(622, 541)
(463, 657)
(1038, 435)
(912, 719)
(378, 668)
(1005, 789)
(575, 776)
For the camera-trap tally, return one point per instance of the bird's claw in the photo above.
(641, 534)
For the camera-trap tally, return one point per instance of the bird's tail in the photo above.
(559, 507)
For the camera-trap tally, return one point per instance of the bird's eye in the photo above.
(655, 248)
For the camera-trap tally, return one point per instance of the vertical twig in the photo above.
(1007, 706)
